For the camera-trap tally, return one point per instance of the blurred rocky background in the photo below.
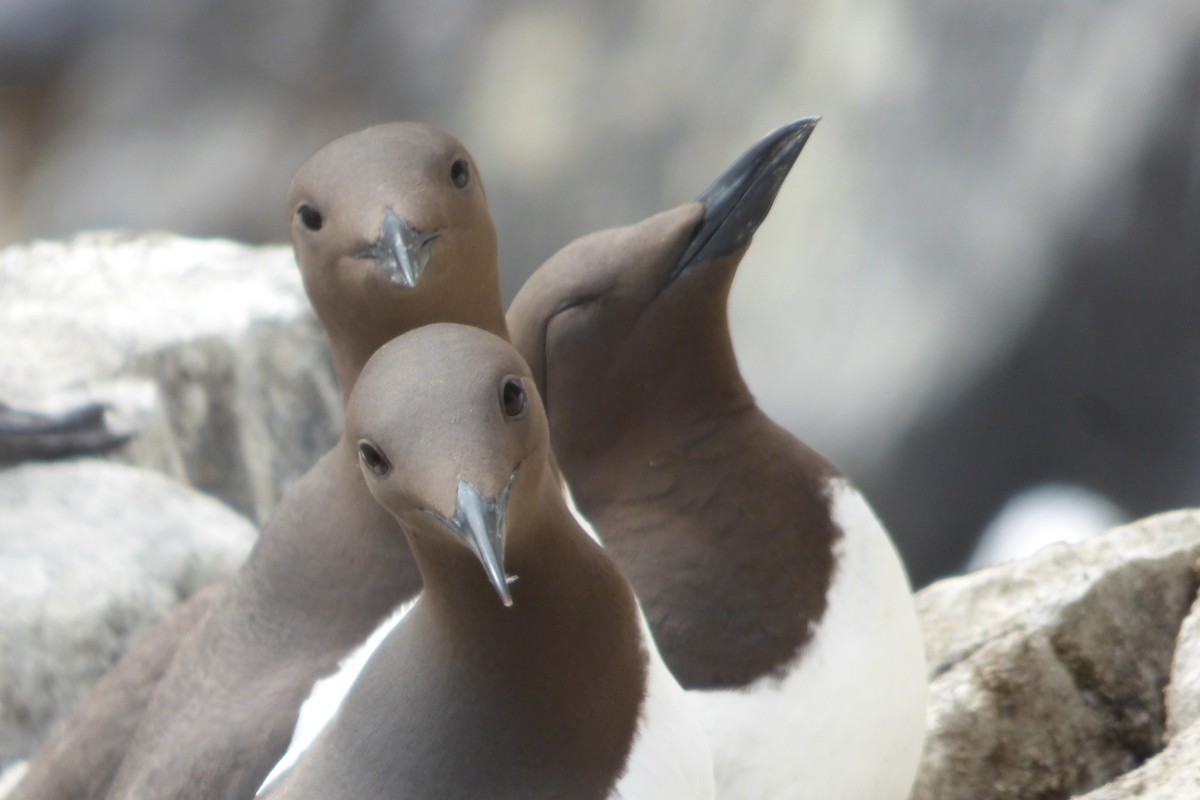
(982, 277)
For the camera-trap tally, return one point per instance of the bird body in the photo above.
(846, 718)
(773, 593)
(534, 677)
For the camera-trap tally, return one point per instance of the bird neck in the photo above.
(561, 673)
(328, 531)
(562, 578)
(353, 342)
(660, 388)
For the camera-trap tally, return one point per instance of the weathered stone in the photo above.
(91, 552)
(1183, 694)
(1173, 774)
(207, 349)
(1047, 676)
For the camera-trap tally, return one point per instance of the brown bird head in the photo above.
(453, 441)
(391, 229)
(627, 328)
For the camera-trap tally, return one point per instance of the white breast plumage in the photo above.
(848, 720)
(328, 693)
(671, 757)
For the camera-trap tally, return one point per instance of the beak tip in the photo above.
(402, 249)
(480, 524)
(501, 587)
(736, 203)
(505, 594)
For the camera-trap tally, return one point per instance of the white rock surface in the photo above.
(91, 552)
(207, 348)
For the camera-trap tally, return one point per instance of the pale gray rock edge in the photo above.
(1183, 695)
(92, 552)
(206, 349)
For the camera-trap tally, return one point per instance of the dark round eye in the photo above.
(311, 218)
(374, 459)
(460, 173)
(512, 398)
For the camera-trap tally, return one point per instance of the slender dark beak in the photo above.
(401, 251)
(480, 524)
(737, 202)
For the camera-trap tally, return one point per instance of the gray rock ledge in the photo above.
(1047, 676)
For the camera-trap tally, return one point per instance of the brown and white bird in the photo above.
(524, 669)
(773, 592)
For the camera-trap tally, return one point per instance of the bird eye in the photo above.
(512, 398)
(373, 459)
(311, 218)
(460, 173)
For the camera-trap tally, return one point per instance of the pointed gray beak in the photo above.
(401, 251)
(737, 202)
(480, 524)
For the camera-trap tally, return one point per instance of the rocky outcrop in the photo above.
(206, 350)
(1048, 675)
(91, 552)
